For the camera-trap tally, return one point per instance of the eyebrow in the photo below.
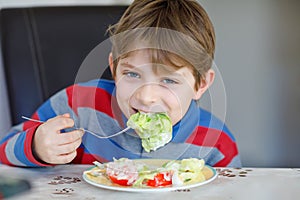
(127, 65)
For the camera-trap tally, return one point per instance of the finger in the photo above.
(68, 148)
(65, 158)
(60, 122)
(67, 115)
(70, 137)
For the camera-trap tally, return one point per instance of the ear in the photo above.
(111, 63)
(205, 84)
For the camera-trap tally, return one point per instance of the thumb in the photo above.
(66, 115)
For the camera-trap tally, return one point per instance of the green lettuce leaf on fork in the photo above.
(154, 129)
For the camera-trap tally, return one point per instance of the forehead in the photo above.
(156, 58)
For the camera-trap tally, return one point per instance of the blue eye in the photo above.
(169, 81)
(132, 74)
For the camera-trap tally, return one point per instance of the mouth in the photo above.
(136, 110)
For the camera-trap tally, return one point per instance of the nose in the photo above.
(148, 94)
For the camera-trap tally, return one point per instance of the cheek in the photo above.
(123, 88)
(173, 100)
(178, 103)
(179, 97)
(124, 92)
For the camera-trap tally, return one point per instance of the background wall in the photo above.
(258, 45)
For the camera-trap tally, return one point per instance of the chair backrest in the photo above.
(43, 48)
(5, 120)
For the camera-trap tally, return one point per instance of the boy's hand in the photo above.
(54, 147)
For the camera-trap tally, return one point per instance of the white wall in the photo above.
(258, 45)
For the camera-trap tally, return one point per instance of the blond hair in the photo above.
(172, 29)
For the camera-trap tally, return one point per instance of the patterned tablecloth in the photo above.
(65, 181)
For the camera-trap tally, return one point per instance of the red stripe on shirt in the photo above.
(91, 97)
(90, 158)
(3, 157)
(77, 159)
(28, 124)
(208, 137)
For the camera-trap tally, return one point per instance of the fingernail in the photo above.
(66, 115)
(81, 131)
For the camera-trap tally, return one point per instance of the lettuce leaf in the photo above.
(154, 129)
(186, 171)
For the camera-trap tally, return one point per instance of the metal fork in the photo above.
(91, 132)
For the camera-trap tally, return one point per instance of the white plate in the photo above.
(208, 171)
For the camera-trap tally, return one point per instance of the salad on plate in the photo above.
(125, 172)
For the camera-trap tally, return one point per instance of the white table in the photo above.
(65, 182)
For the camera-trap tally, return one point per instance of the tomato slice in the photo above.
(159, 180)
(123, 182)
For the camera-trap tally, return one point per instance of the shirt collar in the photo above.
(183, 129)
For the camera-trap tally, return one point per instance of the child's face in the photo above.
(151, 87)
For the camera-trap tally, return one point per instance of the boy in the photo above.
(162, 52)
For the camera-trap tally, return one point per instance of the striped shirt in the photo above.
(93, 107)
